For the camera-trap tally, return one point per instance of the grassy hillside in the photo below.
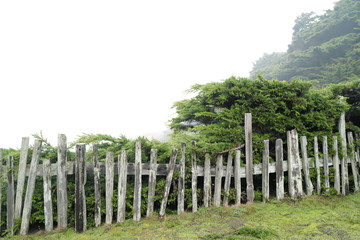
(317, 217)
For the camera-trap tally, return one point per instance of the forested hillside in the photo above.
(324, 47)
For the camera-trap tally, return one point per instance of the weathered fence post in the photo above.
(207, 181)
(123, 162)
(109, 167)
(10, 194)
(21, 176)
(294, 173)
(61, 182)
(48, 211)
(218, 179)
(97, 192)
(194, 175)
(181, 181)
(326, 163)
(152, 181)
(228, 179)
(237, 177)
(137, 190)
(344, 163)
(305, 162)
(353, 162)
(265, 171)
(80, 204)
(336, 165)
(249, 158)
(279, 155)
(317, 165)
(1, 175)
(30, 188)
(168, 182)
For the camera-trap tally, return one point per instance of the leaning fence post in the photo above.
(218, 179)
(249, 158)
(353, 162)
(30, 188)
(237, 177)
(21, 176)
(61, 182)
(10, 194)
(80, 204)
(168, 182)
(48, 211)
(279, 155)
(228, 179)
(194, 175)
(305, 162)
(344, 163)
(181, 180)
(265, 171)
(137, 190)
(109, 167)
(122, 161)
(97, 192)
(336, 165)
(207, 181)
(317, 165)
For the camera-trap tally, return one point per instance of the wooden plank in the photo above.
(249, 158)
(109, 188)
(229, 172)
(326, 163)
(1, 175)
(237, 177)
(97, 190)
(168, 182)
(123, 161)
(61, 183)
(10, 195)
(181, 181)
(152, 182)
(294, 163)
(344, 165)
(265, 172)
(336, 165)
(80, 204)
(48, 211)
(194, 176)
(207, 181)
(30, 188)
(218, 179)
(137, 187)
(21, 176)
(354, 168)
(279, 156)
(305, 162)
(317, 165)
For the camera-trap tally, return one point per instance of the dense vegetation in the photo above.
(325, 48)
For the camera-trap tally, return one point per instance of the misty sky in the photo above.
(116, 67)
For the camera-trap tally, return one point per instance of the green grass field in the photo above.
(316, 217)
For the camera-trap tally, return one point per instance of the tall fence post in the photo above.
(237, 177)
(61, 182)
(265, 171)
(249, 158)
(207, 181)
(80, 204)
(344, 164)
(137, 189)
(194, 176)
(228, 179)
(218, 179)
(354, 167)
(336, 165)
(97, 192)
(181, 180)
(294, 163)
(109, 167)
(317, 165)
(21, 176)
(123, 162)
(48, 211)
(305, 162)
(30, 188)
(152, 181)
(10, 194)
(279, 155)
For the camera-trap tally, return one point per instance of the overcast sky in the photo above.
(116, 67)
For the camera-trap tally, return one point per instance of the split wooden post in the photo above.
(353, 162)
(1, 175)
(265, 171)
(21, 176)
(109, 189)
(169, 177)
(228, 179)
(10, 194)
(207, 181)
(305, 162)
(137, 190)
(237, 177)
(181, 181)
(249, 158)
(218, 178)
(279, 155)
(61, 183)
(152, 181)
(30, 188)
(326, 163)
(123, 165)
(336, 165)
(317, 165)
(97, 192)
(80, 178)
(48, 211)
(294, 173)
(194, 175)
(344, 164)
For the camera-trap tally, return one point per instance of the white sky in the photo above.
(116, 67)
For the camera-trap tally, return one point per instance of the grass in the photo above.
(316, 217)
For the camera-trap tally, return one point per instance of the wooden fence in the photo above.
(215, 191)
